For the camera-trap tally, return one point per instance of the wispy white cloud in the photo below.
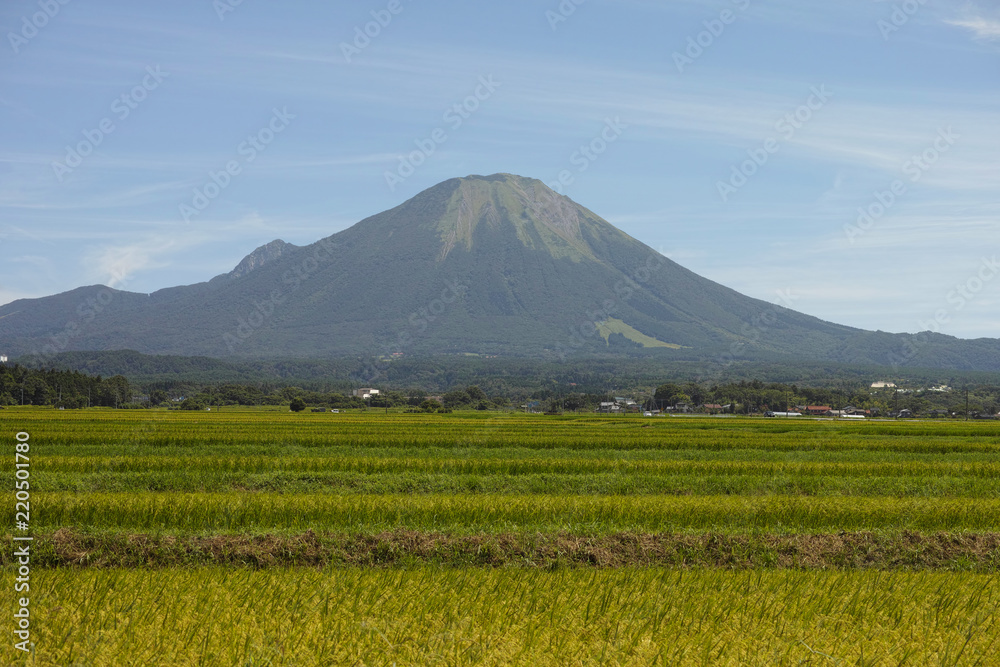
(190, 162)
(981, 27)
(115, 266)
(123, 197)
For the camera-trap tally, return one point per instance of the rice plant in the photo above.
(428, 616)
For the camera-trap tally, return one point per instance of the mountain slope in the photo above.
(492, 265)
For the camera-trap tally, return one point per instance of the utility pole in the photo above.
(966, 404)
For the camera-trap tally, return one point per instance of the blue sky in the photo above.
(747, 136)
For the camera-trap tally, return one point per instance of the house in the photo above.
(366, 392)
(627, 404)
(817, 409)
(3, 358)
(883, 385)
(618, 405)
(713, 408)
(849, 414)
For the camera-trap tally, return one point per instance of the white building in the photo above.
(883, 385)
(366, 392)
(3, 358)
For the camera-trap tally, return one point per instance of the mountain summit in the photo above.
(495, 265)
(260, 257)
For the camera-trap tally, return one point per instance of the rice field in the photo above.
(463, 513)
(272, 538)
(427, 616)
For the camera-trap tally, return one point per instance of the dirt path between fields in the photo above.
(858, 550)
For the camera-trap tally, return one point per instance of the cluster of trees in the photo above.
(73, 389)
(201, 397)
(748, 396)
(60, 388)
(755, 396)
(512, 377)
(472, 397)
(416, 399)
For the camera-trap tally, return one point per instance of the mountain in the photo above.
(259, 257)
(491, 265)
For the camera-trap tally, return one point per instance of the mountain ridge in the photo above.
(492, 265)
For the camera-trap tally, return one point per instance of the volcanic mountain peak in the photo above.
(491, 265)
(542, 218)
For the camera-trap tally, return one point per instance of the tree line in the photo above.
(749, 397)
(20, 385)
(62, 388)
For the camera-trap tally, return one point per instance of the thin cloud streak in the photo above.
(981, 27)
